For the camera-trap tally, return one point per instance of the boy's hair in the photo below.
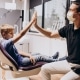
(6, 28)
(77, 2)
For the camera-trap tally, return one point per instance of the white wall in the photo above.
(19, 3)
(46, 46)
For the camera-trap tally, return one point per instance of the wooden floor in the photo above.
(9, 76)
(23, 78)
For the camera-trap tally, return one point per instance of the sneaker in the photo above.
(56, 55)
(62, 58)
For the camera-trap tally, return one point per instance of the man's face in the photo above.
(72, 14)
(73, 8)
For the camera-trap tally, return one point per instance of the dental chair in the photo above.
(17, 71)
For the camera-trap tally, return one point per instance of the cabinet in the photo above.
(38, 44)
(23, 44)
(58, 45)
(46, 46)
(35, 43)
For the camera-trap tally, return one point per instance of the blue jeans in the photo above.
(38, 58)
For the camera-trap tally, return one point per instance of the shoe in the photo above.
(62, 58)
(56, 55)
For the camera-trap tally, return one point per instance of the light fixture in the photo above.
(10, 6)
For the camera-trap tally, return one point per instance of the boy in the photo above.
(7, 32)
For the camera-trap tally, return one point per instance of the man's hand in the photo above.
(35, 22)
(34, 17)
(32, 59)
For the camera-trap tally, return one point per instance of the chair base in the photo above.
(17, 74)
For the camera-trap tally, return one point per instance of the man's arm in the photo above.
(22, 33)
(47, 33)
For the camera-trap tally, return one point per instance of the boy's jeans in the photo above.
(38, 58)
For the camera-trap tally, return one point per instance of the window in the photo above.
(36, 7)
(55, 11)
(39, 15)
(51, 13)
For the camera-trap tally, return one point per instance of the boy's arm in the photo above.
(22, 33)
(32, 59)
(24, 54)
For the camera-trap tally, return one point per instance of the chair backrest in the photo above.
(7, 59)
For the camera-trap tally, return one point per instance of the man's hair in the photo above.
(77, 2)
(6, 28)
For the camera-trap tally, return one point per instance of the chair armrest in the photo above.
(6, 67)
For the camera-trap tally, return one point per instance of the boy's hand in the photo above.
(35, 22)
(32, 59)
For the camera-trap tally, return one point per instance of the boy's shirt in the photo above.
(11, 49)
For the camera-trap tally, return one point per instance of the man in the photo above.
(72, 34)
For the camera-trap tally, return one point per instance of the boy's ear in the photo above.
(3, 34)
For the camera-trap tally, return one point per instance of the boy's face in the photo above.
(9, 35)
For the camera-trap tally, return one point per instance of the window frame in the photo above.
(43, 12)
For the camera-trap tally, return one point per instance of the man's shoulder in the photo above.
(69, 26)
